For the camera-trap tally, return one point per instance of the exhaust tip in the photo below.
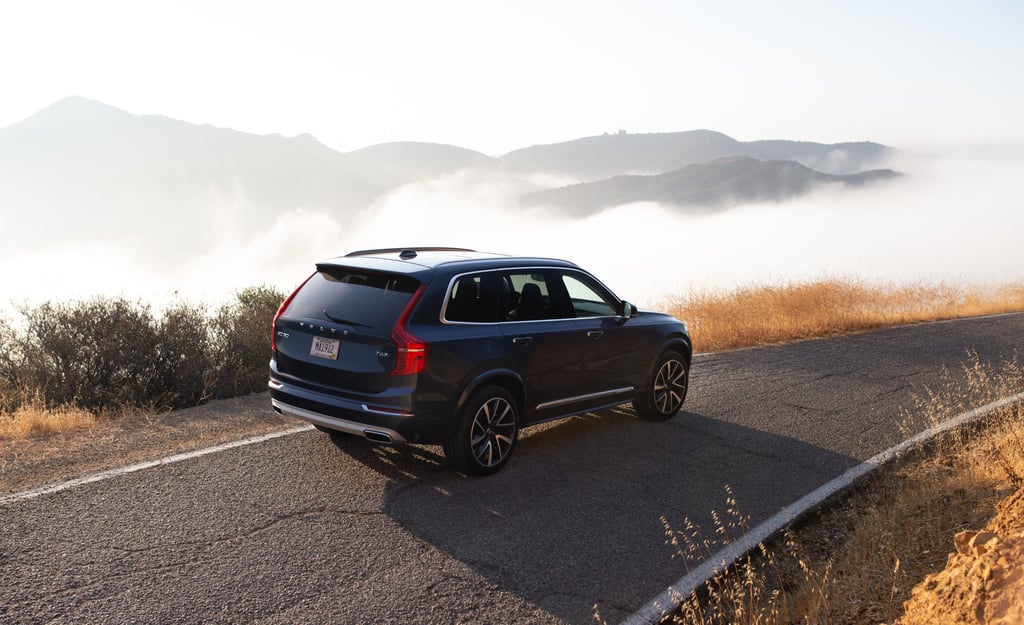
(377, 437)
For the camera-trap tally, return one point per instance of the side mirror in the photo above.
(627, 310)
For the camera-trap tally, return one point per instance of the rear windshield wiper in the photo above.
(328, 314)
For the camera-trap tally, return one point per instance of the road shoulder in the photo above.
(141, 437)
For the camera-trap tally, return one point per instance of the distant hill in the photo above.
(594, 158)
(700, 187)
(86, 170)
(389, 165)
(81, 170)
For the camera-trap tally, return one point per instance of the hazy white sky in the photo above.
(494, 76)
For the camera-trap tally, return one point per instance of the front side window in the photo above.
(533, 297)
(588, 300)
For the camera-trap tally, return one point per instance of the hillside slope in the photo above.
(81, 169)
(594, 158)
(701, 187)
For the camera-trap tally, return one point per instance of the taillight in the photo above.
(411, 352)
(281, 309)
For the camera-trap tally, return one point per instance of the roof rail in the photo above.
(407, 251)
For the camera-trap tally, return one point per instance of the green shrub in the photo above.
(242, 337)
(185, 357)
(9, 399)
(112, 353)
(99, 353)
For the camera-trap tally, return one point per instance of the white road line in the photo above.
(667, 602)
(106, 475)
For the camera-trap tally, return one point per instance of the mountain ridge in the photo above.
(678, 148)
(701, 187)
(601, 156)
(84, 169)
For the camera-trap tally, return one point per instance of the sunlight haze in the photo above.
(495, 76)
(937, 83)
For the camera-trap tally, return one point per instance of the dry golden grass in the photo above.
(762, 314)
(857, 563)
(752, 315)
(35, 419)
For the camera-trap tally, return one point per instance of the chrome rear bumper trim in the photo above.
(334, 423)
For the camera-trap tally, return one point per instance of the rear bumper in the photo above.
(375, 433)
(380, 424)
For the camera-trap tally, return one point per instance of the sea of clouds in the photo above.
(955, 218)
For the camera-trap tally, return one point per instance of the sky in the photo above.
(941, 81)
(495, 76)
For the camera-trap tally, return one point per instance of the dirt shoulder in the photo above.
(36, 461)
(983, 581)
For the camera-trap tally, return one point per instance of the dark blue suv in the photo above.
(463, 349)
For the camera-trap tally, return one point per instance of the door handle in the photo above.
(522, 340)
(595, 334)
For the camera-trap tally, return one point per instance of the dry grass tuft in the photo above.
(35, 419)
(858, 562)
(762, 314)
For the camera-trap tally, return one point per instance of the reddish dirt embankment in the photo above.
(983, 581)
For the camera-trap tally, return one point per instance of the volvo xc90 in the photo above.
(463, 349)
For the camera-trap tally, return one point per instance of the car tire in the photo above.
(486, 433)
(665, 392)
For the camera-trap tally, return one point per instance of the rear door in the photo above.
(336, 332)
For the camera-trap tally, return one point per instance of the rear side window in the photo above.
(477, 298)
(355, 297)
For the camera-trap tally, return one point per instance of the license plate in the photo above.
(325, 348)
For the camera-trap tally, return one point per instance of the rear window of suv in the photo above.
(353, 296)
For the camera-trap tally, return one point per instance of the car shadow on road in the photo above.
(577, 517)
(398, 463)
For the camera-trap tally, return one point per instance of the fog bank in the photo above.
(955, 219)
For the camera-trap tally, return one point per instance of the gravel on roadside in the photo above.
(143, 436)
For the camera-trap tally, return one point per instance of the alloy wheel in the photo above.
(493, 432)
(670, 387)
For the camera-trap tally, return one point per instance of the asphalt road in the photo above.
(300, 530)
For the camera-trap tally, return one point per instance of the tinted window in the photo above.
(588, 300)
(532, 297)
(496, 296)
(477, 299)
(356, 297)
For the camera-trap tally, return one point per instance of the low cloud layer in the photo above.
(952, 219)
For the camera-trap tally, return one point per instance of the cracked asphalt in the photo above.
(302, 530)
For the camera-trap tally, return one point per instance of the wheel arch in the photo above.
(657, 405)
(679, 344)
(505, 378)
(675, 343)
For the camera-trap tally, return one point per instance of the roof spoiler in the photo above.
(407, 252)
